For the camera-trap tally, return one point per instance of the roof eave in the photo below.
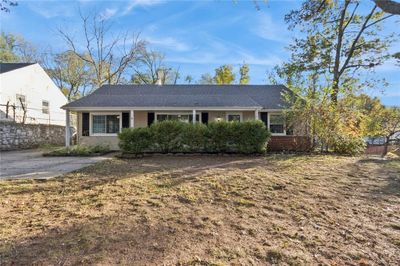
(172, 108)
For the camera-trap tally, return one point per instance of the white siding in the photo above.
(34, 83)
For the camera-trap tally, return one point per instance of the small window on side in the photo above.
(45, 107)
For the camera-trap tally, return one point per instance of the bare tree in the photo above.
(151, 69)
(108, 55)
(70, 73)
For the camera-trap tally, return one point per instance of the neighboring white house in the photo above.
(26, 86)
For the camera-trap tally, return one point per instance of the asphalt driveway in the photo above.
(30, 164)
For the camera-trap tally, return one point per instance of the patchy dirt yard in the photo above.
(207, 210)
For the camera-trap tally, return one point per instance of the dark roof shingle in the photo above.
(241, 96)
(6, 67)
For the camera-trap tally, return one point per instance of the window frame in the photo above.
(284, 124)
(46, 108)
(104, 114)
(177, 113)
(234, 113)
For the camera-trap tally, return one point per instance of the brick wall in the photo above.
(14, 136)
(289, 143)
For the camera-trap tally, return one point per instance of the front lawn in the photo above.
(207, 210)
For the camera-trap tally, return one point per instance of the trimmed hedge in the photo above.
(135, 140)
(216, 137)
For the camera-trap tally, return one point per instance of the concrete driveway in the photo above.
(30, 164)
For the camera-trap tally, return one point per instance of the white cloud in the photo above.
(234, 59)
(142, 3)
(169, 43)
(218, 51)
(52, 10)
(236, 54)
(108, 13)
(269, 29)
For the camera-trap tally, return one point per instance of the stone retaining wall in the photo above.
(14, 136)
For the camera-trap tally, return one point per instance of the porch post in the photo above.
(67, 130)
(194, 116)
(256, 116)
(132, 118)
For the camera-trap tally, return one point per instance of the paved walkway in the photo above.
(30, 164)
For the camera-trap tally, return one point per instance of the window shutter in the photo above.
(125, 120)
(204, 118)
(264, 118)
(85, 124)
(150, 118)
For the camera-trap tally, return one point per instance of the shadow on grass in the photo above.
(125, 242)
(388, 173)
(178, 169)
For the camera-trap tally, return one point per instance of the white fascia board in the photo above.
(272, 110)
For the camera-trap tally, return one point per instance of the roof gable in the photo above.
(6, 67)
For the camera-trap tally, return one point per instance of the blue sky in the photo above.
(196, 36)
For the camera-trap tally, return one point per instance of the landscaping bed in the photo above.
(78, 150)
(207, 210)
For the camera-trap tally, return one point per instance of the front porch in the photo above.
(102, 126)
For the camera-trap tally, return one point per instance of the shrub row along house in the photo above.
(103, 114)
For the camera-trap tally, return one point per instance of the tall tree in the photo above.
(206, 79)
(152, 69)
(71, 74)
(6, 4)
(189, 79)
(396, 56)
(224, 75)
(108, 55)
(384, 122)
(15, 49)
(244, 74)
(340, 39)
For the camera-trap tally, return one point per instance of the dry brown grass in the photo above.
(207, 210)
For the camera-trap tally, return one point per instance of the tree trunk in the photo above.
(338, 51)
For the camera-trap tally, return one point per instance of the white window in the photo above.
(184, 117)
(230, 117)
(277, 123)
(106, 124)
(21, 99)
(45, 107)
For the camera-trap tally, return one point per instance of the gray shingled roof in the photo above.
(6, 67)
(219, 96)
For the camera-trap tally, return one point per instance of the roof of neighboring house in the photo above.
(217, 96)
(6, 67)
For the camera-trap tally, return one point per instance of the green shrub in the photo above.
(135, 140)
(348, 145)
(167, 135)
(250, 136)
(194, 137)
(219, 136)
(175, 136)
